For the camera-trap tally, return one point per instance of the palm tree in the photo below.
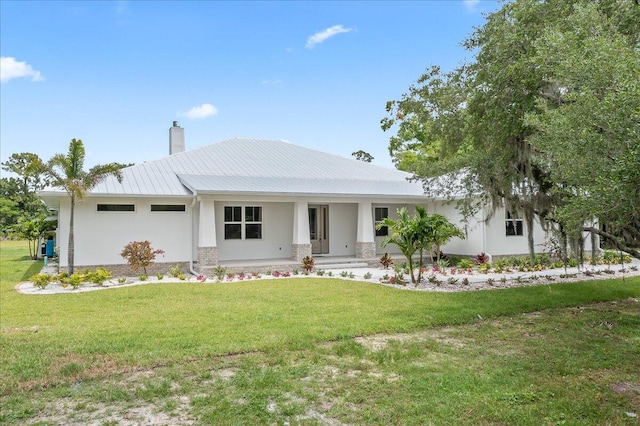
(402, 233)
(422, 235)
(66, 172)
(442, 231)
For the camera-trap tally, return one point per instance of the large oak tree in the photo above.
(485, 128)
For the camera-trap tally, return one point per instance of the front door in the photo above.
(319, 229)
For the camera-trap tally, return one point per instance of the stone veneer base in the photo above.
(365, 250)
(207, 259)
(300, 251)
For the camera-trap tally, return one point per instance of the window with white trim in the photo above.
(116, 208)
(168, 207)
(242, 223)
(380, 214)
(513, 225)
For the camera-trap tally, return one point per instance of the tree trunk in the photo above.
(528, 218)
(413, 278)
(594, 249)
(70, 254)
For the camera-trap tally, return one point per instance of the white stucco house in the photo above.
(256, 202)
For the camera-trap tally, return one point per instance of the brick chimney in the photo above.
(176, 139)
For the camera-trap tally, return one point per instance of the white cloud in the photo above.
(202, 111)
(321, 36)
(10, 68)
(471, 4)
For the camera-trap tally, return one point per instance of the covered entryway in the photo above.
(319, 228)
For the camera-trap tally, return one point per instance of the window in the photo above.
(167, 207)
(381, 213)
(116, 207)
(253, 225)
(513, 224)
(238, 226)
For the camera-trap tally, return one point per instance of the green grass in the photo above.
(88, 348)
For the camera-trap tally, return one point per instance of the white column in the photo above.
(365, 223)
(301, 223)
(207, 224)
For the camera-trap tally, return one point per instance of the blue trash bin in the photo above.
(49, 250)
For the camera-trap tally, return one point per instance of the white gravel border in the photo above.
(477, 281)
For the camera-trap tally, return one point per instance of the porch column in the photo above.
(301, 244)
(365, 244)
(207, 243)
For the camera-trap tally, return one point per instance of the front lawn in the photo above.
(182, 335)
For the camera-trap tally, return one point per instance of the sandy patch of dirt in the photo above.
(379, 342)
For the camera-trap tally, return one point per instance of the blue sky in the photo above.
(117, 73)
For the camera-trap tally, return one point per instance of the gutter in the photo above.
(193, 203)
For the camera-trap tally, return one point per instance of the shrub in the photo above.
(612, 257)
(319, 272)
(481, 258)
(122, 280)
(442, 264)
(159, 276)
(386, 261)
(543, 259)
(501, 263)
(484, 268)
(139, 254)
(142, 278)
(76, 280)
(41, 280)
(308, 263)
(595, 260)
(367, 276)
(220, 272)
(465, 264)
(99, 276)
(175, 270)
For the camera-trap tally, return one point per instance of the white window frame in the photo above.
(376, 222)
(243, 222)
(115, 211)
(514, 222)
(168, 208)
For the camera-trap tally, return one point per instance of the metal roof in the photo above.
(243, 165)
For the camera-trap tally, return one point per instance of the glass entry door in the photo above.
(319, 229)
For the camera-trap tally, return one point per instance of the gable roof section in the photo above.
(258, 166)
